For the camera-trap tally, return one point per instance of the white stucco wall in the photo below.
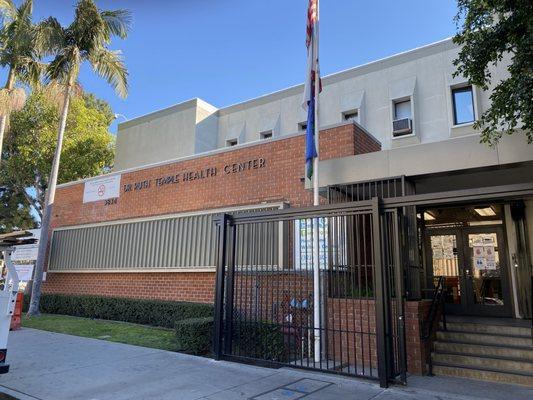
(425, 75)
(178, 131)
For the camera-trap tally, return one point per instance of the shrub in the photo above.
(145, 312)
(194, 335)
(261, 340)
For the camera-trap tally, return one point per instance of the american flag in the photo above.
(313, 75)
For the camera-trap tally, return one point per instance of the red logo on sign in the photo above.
(101, 190)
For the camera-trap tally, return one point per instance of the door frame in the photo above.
(478, 309)
(468, 306)
(438, 231)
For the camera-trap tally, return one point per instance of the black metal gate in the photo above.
(267, 286)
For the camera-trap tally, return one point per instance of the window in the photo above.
(402, 118)
(351, 115)
(402, 109)
(266, 135)
(463, 105)
(232, 142)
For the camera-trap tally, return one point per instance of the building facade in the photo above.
(400, 127)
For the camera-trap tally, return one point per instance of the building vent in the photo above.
(402, 127)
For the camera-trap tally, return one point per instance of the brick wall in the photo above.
(415, 314)
(272, 173)
(279, 179)
(180, 286)
(345, 315)
(352, 333)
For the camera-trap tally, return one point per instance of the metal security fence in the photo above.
(394, 187)
(359, 191)
(265, 298)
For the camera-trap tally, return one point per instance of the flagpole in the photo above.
(316, 201)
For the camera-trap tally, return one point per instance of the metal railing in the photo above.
(436, 310)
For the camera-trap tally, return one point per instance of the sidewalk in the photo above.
(54, 366)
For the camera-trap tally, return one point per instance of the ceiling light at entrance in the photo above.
(429, 217)
(485, 211)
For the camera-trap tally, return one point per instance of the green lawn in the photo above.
(113, 331)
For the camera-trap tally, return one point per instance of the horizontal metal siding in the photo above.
(156, 244)
(170, 243)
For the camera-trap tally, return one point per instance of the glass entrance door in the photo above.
(446, 259)
(486, 272)
(474, 266)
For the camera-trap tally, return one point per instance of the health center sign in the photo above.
(103, 188)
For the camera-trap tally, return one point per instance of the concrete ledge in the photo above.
(454, 154)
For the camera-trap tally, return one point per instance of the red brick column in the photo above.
(415, 314)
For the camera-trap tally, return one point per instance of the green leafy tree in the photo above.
(88, 148)
(20, 55)
(85, 40)
(492, 32)
(14, 211)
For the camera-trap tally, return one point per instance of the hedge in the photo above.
(261, 340)
(194, 335)
(145, 312)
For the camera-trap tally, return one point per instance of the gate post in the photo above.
(229, 285)
(221, 222)
(400, 293)
(380, 288)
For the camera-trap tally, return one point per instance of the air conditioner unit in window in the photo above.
(402, 127)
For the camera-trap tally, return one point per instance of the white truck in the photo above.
(9, 286)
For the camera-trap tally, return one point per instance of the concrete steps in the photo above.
(481, 350)
(488, 349)
(487, 339)
(492, 376)
(484, 362)
(490, 329)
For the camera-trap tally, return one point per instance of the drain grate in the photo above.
(293, 391)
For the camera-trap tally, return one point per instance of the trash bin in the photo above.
(16, 318)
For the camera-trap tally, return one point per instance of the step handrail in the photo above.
(437, 304)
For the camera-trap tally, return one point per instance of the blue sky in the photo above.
(227, 51)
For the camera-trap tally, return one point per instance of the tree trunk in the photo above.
(3, 119)
(47, 210)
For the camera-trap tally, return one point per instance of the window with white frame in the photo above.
(463, 105)
(265, 135)
(352, 115)
(402, 109)
(402, 118)
(232, 142)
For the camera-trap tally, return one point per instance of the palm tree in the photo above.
(19, 54)
(85, 40)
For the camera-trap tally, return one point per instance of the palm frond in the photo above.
(49, 36)
(25, 11)
(8, 9)
(117, 22)
(88, 28)
(31, 72)
(59, 68)
(110, 66)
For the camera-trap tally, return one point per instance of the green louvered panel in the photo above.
(170, 243)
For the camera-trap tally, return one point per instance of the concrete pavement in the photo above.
(54, 366)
